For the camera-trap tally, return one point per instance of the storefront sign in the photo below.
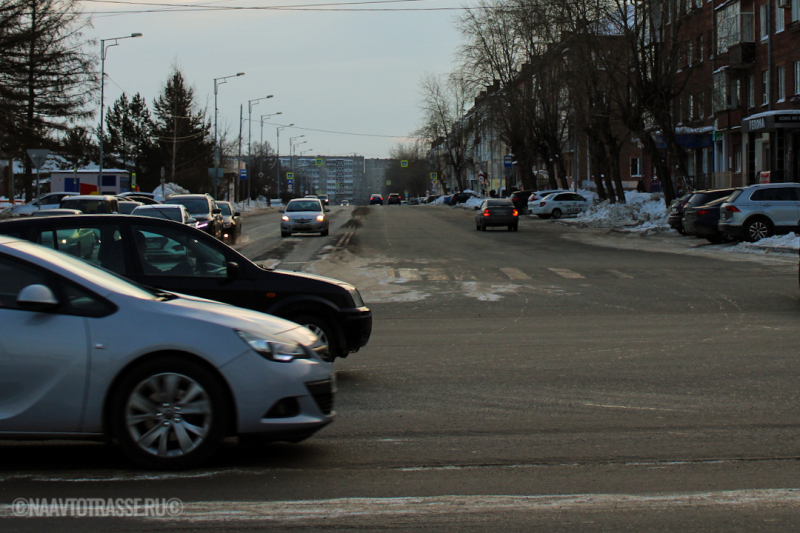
(771, 122)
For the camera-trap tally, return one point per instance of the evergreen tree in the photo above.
(77, 148)
(128, 142)
(46, 79)
(182, 136)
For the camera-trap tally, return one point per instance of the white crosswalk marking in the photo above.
(436, 274)
(514, 273)
(565, 273)
(409, 274)
(620, 274)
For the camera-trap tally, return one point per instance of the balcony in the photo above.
(741, 55)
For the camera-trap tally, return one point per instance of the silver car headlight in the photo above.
(285, 218)
(320, 218)
(273, 349)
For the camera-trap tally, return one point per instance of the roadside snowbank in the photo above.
(642, 213)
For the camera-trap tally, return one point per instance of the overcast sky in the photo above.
(351, 72)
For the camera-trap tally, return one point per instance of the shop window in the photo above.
(737, 158)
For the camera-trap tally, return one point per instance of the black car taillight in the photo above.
(703, 212)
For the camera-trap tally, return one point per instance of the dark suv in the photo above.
(376, 199)
(394, 198)
(204, 210)
(178, 258)
(520, 200)
(697, 198)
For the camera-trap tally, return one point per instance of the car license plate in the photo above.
(302, 226)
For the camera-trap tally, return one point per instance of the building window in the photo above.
(737, 158)
(692, 114)
(751, 92)
(765, 87)
(764, 21)
(781, 83)
(636, 167)
(700, 47)
(795, 10)
(701, 104)
(797, 76)
(689, 53)
(779, 21)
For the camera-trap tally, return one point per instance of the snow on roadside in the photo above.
(642, 213)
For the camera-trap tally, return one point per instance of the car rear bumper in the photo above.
(733, 232)
(500, 221)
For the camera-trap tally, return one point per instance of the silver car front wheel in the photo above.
(169, 413)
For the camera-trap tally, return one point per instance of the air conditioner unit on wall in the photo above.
(785, 4)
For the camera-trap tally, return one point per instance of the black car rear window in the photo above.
(195, 206)
(499, 203)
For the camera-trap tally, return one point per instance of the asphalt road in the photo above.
(553, 379)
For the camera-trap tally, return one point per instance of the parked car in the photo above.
(176, 212)
(231, 222)
(703, 221)
(560, 204)
(537, 196)
(190, 261)
(376, 199)
(413, 200)
(58, 212)
(82, 367)
(430, 199)
(139, 196)
(697, 198)
(461, 197)
(126, 207)
(47, 201)
(496, 212)
(203, 209)
(394, 198)
(759, 211)
(675, 218)
(520, 200)
(92, 204)
(304, 215)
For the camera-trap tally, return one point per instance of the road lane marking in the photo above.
(564, 273)
(436, 274)
(514, 273)
(409, 274)
(345, 509)
(620, 274)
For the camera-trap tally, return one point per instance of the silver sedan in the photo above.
(87, 354)
(304, 215)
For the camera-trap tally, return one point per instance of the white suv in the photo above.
(759, 211)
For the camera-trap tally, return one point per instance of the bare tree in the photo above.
(445, 102)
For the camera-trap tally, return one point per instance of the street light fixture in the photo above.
(250, 104)
(103, 49)
(294, 145)
(216, 112)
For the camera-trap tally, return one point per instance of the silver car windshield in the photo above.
(304, 206)
(89, 272)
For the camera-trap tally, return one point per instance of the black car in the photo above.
(702, 221)
(204, 210)
(461, 197)
(394, 198)
(178, 258)
(376, 199)
(675, 219)
(520, 200)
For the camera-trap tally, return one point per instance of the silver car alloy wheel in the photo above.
(168, 414)
(757, 230)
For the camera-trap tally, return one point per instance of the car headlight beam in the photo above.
(273, 349)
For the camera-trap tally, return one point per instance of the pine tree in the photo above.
(46, 78)
(128, 142)
(183, 136)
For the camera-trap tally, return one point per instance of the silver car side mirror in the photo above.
(37, 298)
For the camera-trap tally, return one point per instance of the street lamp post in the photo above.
(292, 156)
(250, 104)
(308, 179)
(103, 49)
(278, 155)
(216, 112)
(261, 161)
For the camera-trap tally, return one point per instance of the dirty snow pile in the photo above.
(782, 243)
(642, 213)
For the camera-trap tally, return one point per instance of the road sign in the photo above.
(318, 162)
(242, 173)
(388, 182)
(508, 161)
(38, 157)
(404, 163)
(290, 175)
(260, 174)
(434, 175)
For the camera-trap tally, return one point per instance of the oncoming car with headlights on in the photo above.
(165, 377)
(304, 215)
